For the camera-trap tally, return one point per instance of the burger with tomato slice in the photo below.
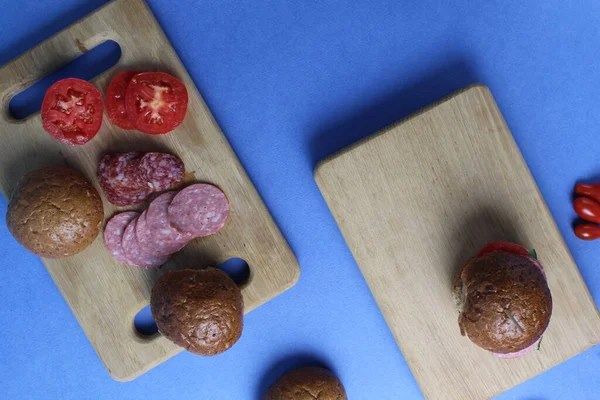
(503, 300)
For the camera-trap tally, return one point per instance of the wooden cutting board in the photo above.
(417, 200)
(104, 294)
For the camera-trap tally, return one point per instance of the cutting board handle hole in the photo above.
(144, 323)
(87, 66)
(236, 268)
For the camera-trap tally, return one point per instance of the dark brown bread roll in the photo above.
(311, 383)
(504, 301)
(200, 310)
(54, 212)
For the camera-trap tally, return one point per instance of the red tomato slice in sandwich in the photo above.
(72, 111)
(156, 102)
(115, 99)
(505, 247)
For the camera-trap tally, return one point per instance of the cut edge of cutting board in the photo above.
(594, 337)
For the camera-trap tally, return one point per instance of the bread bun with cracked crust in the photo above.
(504, 302)
(310, 383)
(199, 310)
(54, 212)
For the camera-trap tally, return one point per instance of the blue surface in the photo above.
(290, 82)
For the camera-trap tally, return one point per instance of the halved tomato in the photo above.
(156, 102)
(505, 247)
(72, 111)
(115, 99)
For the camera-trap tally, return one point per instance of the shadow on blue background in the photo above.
(396, 105)
(40, 34)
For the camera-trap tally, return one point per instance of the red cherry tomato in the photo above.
(505, 247)
(72, 111)
(587, 231)
(591, 191)
(115, 99)
(587, 209)
(156, 102)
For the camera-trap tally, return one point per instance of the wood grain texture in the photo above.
(416, 201)
(103, 294)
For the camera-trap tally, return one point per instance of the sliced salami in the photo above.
(130, 178)
(123, 199)
(199, 210)
(538, 264)
(134, 253)
(113, 234)
(156, 242)
(122, 179)
(121, 171)
(162, 171)
(518, 353)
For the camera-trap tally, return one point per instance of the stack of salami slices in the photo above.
(130, 178)
(147, 240)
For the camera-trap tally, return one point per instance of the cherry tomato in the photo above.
(591, 191)
(72, 111)
(587, 231)
(115, 100)
(587, 209)
(156, 102)
(505, 247)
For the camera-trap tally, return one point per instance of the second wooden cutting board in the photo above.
(417, 200)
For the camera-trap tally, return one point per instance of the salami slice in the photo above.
(113, 234)
(538, 264)
(134, 253)
(518, 353)
(157, 242)
(162, 171)
(122, 179)
(122, 199)
(130, 178)
(122, 171)
(199, 210)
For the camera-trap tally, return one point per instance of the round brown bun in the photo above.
(310, 383)
(504, 302)
(54, 212)
(200, 310)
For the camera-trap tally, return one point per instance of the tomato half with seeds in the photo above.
(505, 247)
(156, 102)
(115, 99)
(72, 111)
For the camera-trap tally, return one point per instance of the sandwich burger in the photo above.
(503, 300)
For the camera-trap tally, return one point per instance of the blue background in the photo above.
(290, 82)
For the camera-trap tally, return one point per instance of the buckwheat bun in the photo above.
(200, 310)
(54, 212)
(503, 300)
(311, 383)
